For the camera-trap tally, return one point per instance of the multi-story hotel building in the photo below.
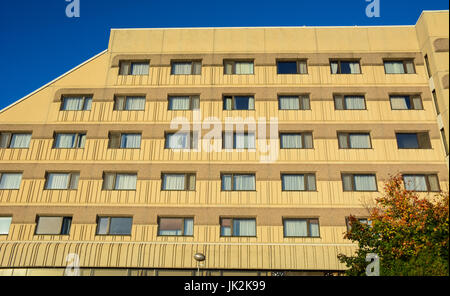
(95, 172)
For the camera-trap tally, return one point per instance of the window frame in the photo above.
(444, 140)
(115, 180)
(348, 133)
(78, 139)
(192, 98)
(344, 102)
(245, 133)
(339, 69)
(192, 135)
(11, 134)
(233, 62)
(347, 222)
(69, 182)
(10, 223)
(297, 61)
(308, 227)
(182, 227)
(411, 101)
(187, 181)
(300, 98)
(11, 172)
(232, 181)
(301, 133)
(86, 99)
(404, 61)
(233, 97)
(427, 181)
(354, 183)
(63, 219)
(232, 228)
(121, 134)
(192, 62)
(109, 225)
(130, 67)
(427, 133)
(126, 97)
(305, 181)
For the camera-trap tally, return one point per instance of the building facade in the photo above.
(248, 145)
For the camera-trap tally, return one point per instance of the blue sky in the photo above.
(39, 43)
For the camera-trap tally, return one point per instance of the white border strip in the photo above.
(54, 80)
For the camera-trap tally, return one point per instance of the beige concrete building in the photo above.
(94, 173)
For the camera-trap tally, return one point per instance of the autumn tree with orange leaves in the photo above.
(409, 233)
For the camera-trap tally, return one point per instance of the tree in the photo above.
(409, 234)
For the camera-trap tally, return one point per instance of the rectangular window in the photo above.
(444, 139)
(349, 102)
(237, 227)
(302, 140)
(62, 181)
(436, 105)
(186, 68)
(114, 225)
(238, 67)
(181, 140)
(301, 227)
(298, 182)
(294, 102)
(10, 181)
(53, 225)
(292, 67)
(238, 103)
(232, 140)
(15, 140)
(425, 183)
(413, 140)
(399, 67)
(406, 103)
(354, 140)
(129, 103)
(427, 64)
(76, 103)
(134, 68)
(119, 140)
(184, 102)
(359, 182)
(69, 140)
(119, 181)
(345, 67)
(360, 220)
(238, 182)
(176, 226)
(178, 182)
(5, 224)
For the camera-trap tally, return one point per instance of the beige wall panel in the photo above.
(137, 41)
(290, 40)
(393, 39)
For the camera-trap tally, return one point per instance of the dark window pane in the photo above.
(407, 141)
(65, 229)
(287, 67)
(345, 68)
(241, 103)
(424, 141)
(120, 226)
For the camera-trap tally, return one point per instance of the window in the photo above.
(413, 140)
(423, 183)
(69, 141)
(180, 182)
(237, 227)
(399, 67)
(129, 103)
(119, 181)
(301, 227)
(186, 68)
(176, 226)
(345, 67)
(436, 105)
(359, 182)
(10, 181)
(238, 182)
(427, 64)
(62, 181)
(232, 140)
(349, 102)
(76, 103)
(134, 68)
(53, 225)
(238, 103)
(298, 182)
(354, 140)
(181, 140)
(294, 102)
(15, 140)
(124, 140)
(444, 139)
(292, 67)
(5, 223)
(184, 102)
(114, 225)
(406, 103)
(302, 140)
(360, 220)
(238, 67)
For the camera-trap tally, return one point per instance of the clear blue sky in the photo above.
(39, 43)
